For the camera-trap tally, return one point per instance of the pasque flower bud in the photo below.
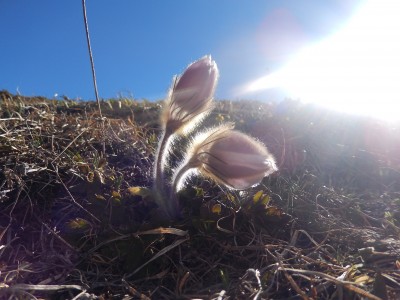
(191, 96)
(228, 157)
(188, 102)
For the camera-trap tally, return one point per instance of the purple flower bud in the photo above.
(228, 157)
(190, 96)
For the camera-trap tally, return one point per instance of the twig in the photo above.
(56, 235)
(346, 284)
(69, 145)
(91, 56)
(93, 70)
(292, 282)
(182, 282)
(256, 274)
(134, 292)
(73, 199)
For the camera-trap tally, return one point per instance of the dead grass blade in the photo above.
(160, 253)
(345, 284)
(44, 287)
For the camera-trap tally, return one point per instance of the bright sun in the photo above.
(357, 70)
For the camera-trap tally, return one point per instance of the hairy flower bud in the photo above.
(228, 157)
(190, 96)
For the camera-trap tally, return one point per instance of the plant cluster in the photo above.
(228, 157)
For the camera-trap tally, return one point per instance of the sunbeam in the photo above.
(357, 70)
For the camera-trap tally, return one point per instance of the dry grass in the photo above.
(71, 226)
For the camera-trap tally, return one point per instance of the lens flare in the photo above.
(357, 70)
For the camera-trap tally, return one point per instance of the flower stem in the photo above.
(178, 176)
(158, 164)
(160, 187)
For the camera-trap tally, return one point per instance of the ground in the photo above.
(78, 219)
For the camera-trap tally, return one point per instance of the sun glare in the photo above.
(357, 70)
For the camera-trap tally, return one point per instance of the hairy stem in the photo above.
(159, 162)
(177, 177)
(162, 188)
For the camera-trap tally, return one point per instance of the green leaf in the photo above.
(230, 197)
(102, 162)
(78, 223)
(261, 198)
(199, 192)
(115, 194)
(100, 197)
(257, 196)
(139, 191)
(265, 200)
(216, 209)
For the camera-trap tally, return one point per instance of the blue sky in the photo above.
(139, 45)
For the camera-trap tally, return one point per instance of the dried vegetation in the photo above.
(77, 222)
